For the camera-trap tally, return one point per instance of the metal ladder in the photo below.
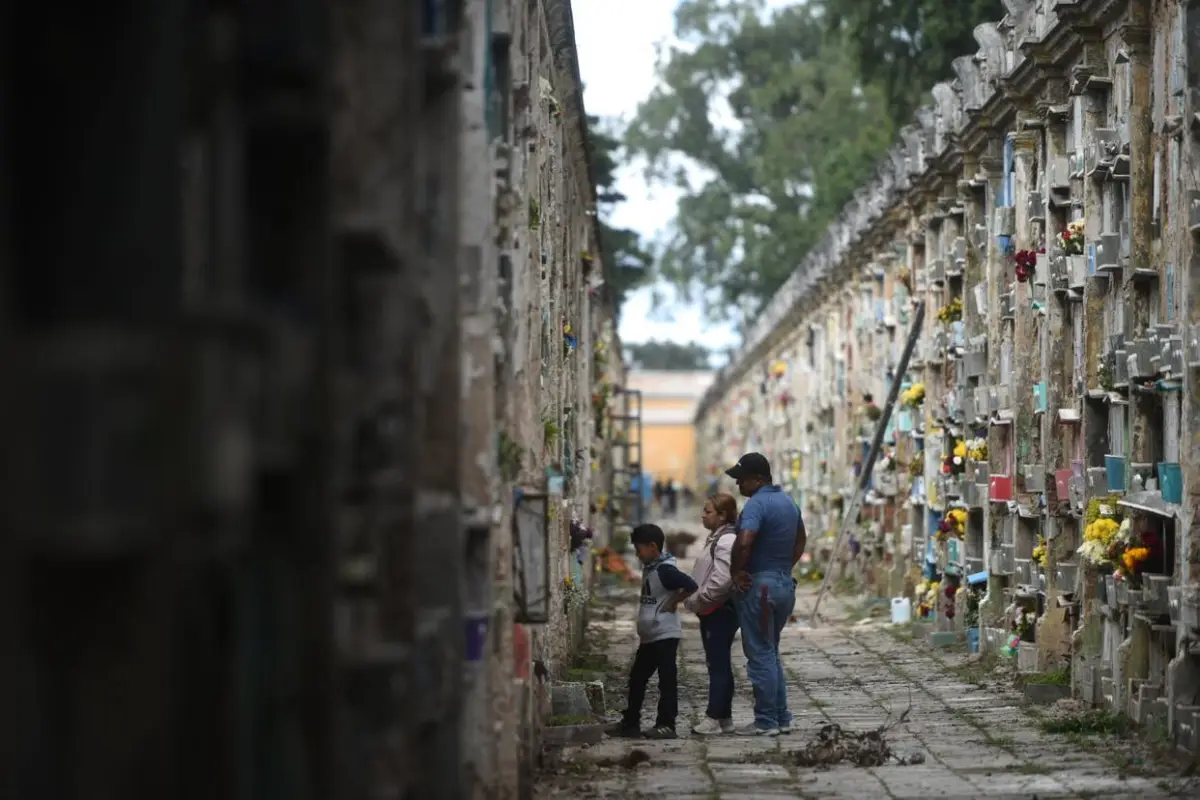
(850, 518)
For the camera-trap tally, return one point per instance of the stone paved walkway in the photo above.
(976, 738)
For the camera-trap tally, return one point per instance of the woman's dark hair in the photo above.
(648, 534)
(725, 504)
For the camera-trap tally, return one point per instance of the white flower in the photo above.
(1093, 551)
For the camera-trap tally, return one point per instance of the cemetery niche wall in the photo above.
(1041, 474)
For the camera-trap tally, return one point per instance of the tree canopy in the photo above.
(761, 120)
(907, 45)
(627, 262)
(666, 355)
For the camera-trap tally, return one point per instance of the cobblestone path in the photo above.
(974, 734)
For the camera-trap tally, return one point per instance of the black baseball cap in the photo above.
(751, 465)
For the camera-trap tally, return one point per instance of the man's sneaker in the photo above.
(623, 731)
(785, 729)
(660, 732)
(712, 727)
(753, 730)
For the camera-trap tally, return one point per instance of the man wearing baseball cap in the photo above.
(770, 541)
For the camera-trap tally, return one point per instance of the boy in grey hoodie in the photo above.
(659, 631)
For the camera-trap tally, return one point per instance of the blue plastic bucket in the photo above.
(1170, 482)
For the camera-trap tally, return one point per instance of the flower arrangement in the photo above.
(1023, 625)
(955, 463)
(951, 312)
(575, 594)
(950, 593)
(1131, 559)
(569, 340)
(927, 594)
(953, 525)
(913, 396)
(1099, 538)
(1129, 551)
(1039, 553)
(1070, 238)
(1027, 263)
(977, 449)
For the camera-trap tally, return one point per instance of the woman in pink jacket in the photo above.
(712, 602)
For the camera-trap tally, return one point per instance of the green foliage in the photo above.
(550, 431)
(626, 261)
(1057, 677)
(668, 355)
(509, 456)
(535, 214)
(1090, 723)
(807, 133)
(908, 45)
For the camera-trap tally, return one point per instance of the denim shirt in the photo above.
(774, 517)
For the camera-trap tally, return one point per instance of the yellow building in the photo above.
(669, 401)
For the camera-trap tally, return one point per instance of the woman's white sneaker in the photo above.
(712, 727)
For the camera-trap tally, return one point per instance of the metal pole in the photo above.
(850, 519)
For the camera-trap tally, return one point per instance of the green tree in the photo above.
(656, 354)
(805, 134)
(627, 262)
(907, 45)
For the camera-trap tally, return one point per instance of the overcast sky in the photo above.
(616, 41)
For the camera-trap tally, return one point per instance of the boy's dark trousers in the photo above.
(654, 657)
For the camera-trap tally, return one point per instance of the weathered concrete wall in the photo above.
(544, 340)
(1075, 370)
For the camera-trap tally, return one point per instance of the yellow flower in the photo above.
(1102, 530)
(960, 449)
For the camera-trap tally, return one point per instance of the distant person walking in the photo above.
(770, 541)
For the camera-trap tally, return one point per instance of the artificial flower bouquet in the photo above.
(956, 463)
(977, 449)
(1070, 238)
(1039, 553)
(951, 312)
(1027, 264)
(913, 396)
(953, 525)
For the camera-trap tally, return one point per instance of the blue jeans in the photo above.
(763, 611)
(717, 630)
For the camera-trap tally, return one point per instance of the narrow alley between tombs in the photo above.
(955, 725)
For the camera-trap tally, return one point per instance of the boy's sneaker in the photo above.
(753, 730)
(621, 730)
(660, 732)
(712, 727)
